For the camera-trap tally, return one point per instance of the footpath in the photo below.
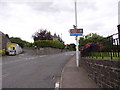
(75, 77)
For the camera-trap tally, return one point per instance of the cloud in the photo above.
(119, 12)
(4, 10)
(24, 17)
(43, 7)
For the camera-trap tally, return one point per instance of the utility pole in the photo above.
(76, 38)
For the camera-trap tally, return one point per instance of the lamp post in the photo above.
(76, 38)
(76, 32)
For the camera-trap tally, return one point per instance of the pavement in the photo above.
(75, 77)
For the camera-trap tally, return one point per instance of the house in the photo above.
(3, 41)
(55, 37)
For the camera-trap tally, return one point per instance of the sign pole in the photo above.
(76, 32)
(77, 41)
(77, 52)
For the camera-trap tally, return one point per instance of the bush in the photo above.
(57, 44)
(2, 52)
(27, 44)
(48, 43)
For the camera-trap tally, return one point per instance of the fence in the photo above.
(107, 48)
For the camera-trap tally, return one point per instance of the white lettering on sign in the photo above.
(76, 30)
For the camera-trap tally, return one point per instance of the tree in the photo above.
(20, 42)
(71, 46)
(17, 40)
(96, 42)
(42, 35)
(90, 38)
(7, 35)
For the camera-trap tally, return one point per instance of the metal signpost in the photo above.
(76, 32)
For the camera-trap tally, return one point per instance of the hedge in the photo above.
(48, 43)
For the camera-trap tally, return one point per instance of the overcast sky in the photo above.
(22, 18)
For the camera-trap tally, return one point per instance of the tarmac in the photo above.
(75, 77)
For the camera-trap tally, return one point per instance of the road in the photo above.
(27, 71)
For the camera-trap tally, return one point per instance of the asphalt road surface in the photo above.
(27, 71)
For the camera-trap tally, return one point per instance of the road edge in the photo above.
(61, 80)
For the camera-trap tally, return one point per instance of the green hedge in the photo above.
(27, 44)
(113, 58)
(48, 43)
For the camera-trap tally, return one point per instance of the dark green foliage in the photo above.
(27, 44)
(71, 46)
(92, 37)
(21, 42)
(17, 40)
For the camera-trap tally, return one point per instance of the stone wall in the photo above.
(106, 73)
(47, 51)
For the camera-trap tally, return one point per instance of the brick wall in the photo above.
(106, 73)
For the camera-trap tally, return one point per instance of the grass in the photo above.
(113, 58)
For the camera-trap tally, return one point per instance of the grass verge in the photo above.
(113, 58)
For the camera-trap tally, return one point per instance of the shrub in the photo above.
(27, 44)
(2, 52)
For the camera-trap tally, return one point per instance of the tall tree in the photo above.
(42, 35)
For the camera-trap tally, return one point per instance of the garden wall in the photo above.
(106, 73)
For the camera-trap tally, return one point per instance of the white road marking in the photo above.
(43, 56)
(57, 85)
(3, 76)
(23, 59)
(21, 55)
(69, 54)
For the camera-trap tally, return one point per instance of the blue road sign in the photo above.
(76, 34)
